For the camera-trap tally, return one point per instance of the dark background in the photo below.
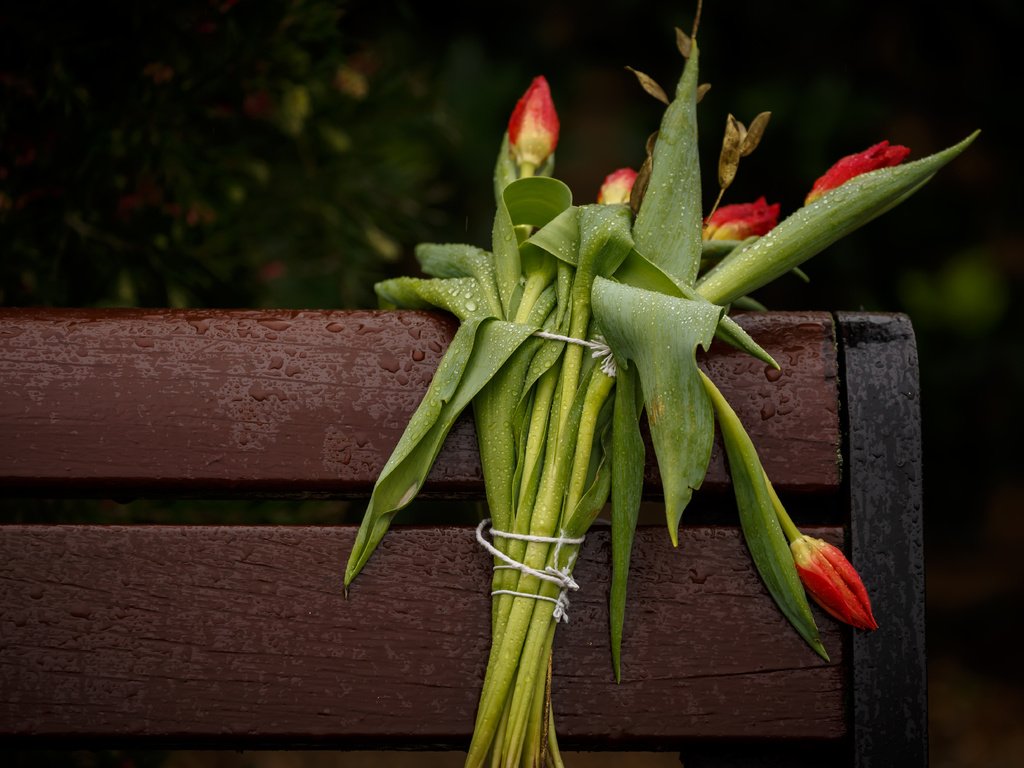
(290, 154)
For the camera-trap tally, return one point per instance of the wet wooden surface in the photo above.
(241, 636)
(203, 403)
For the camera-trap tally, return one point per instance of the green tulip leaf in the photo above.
(462, 296)
(560, 237)
(628, 458)
(498, 425)
(525, 203)
(814, 227)
(759, 521)
(670, 220)
(477, 352)
(536, 200)
(660, 335)
(638, 271)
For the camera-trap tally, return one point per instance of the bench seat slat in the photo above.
(241, 636)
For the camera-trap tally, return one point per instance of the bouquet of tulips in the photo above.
(576, 322)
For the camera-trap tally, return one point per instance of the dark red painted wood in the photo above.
(286, 403)
(240, 636)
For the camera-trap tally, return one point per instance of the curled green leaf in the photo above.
(761, 529)
(660, 335)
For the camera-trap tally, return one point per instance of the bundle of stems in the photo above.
(580, 319)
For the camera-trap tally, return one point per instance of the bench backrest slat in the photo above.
(240, 403)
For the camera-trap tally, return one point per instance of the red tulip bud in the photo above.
(832, 582)
(881, 155)
(617, 186)
(738, 222)
(533, 127)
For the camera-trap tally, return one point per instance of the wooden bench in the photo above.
(241, 637)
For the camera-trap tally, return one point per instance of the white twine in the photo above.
(599, 349)
(560, 577)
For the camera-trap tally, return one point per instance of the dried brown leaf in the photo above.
(643, 178)
(648, 84)
(701, 90)
(649, 145)
(729, 159)
(684, 43)
(754, 133)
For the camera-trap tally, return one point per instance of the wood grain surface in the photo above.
(241, 636)
(232, 403)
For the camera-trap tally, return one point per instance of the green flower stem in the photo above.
(536, 284)
(526, 170)
(521, 731)
(500, 736)
(527, 612)
(598, 390)
(531, 744)
(506, 578)
(788, 527)
(541, 632)
(501, 672)
(554, 756)
(537, 437)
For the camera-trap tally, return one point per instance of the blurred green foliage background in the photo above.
(289, 154)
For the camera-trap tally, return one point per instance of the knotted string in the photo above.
(560, 577)
(599, 349)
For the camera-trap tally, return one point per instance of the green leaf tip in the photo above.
(814, 227)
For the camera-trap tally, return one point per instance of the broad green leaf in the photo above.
(669, 223)
(528, 202)
(494, 409)
(660, 335)
(605, 241)
(605, 238)
(536, 200)
(765, 539)
(637, 271)
(459, 260)
(478, 350)
(627, 451)
(560, 237)
(814, 227)
(454, 260)
(494, 415)
(461, 296)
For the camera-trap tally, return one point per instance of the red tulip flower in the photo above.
(740, 221)
(881, 155)
(832, 581)
(533, 127)
(617, 186)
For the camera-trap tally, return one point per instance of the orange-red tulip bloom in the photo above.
(740, 221)
(617, 186)
(881, 155)
(533, 127)
(832, 581)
